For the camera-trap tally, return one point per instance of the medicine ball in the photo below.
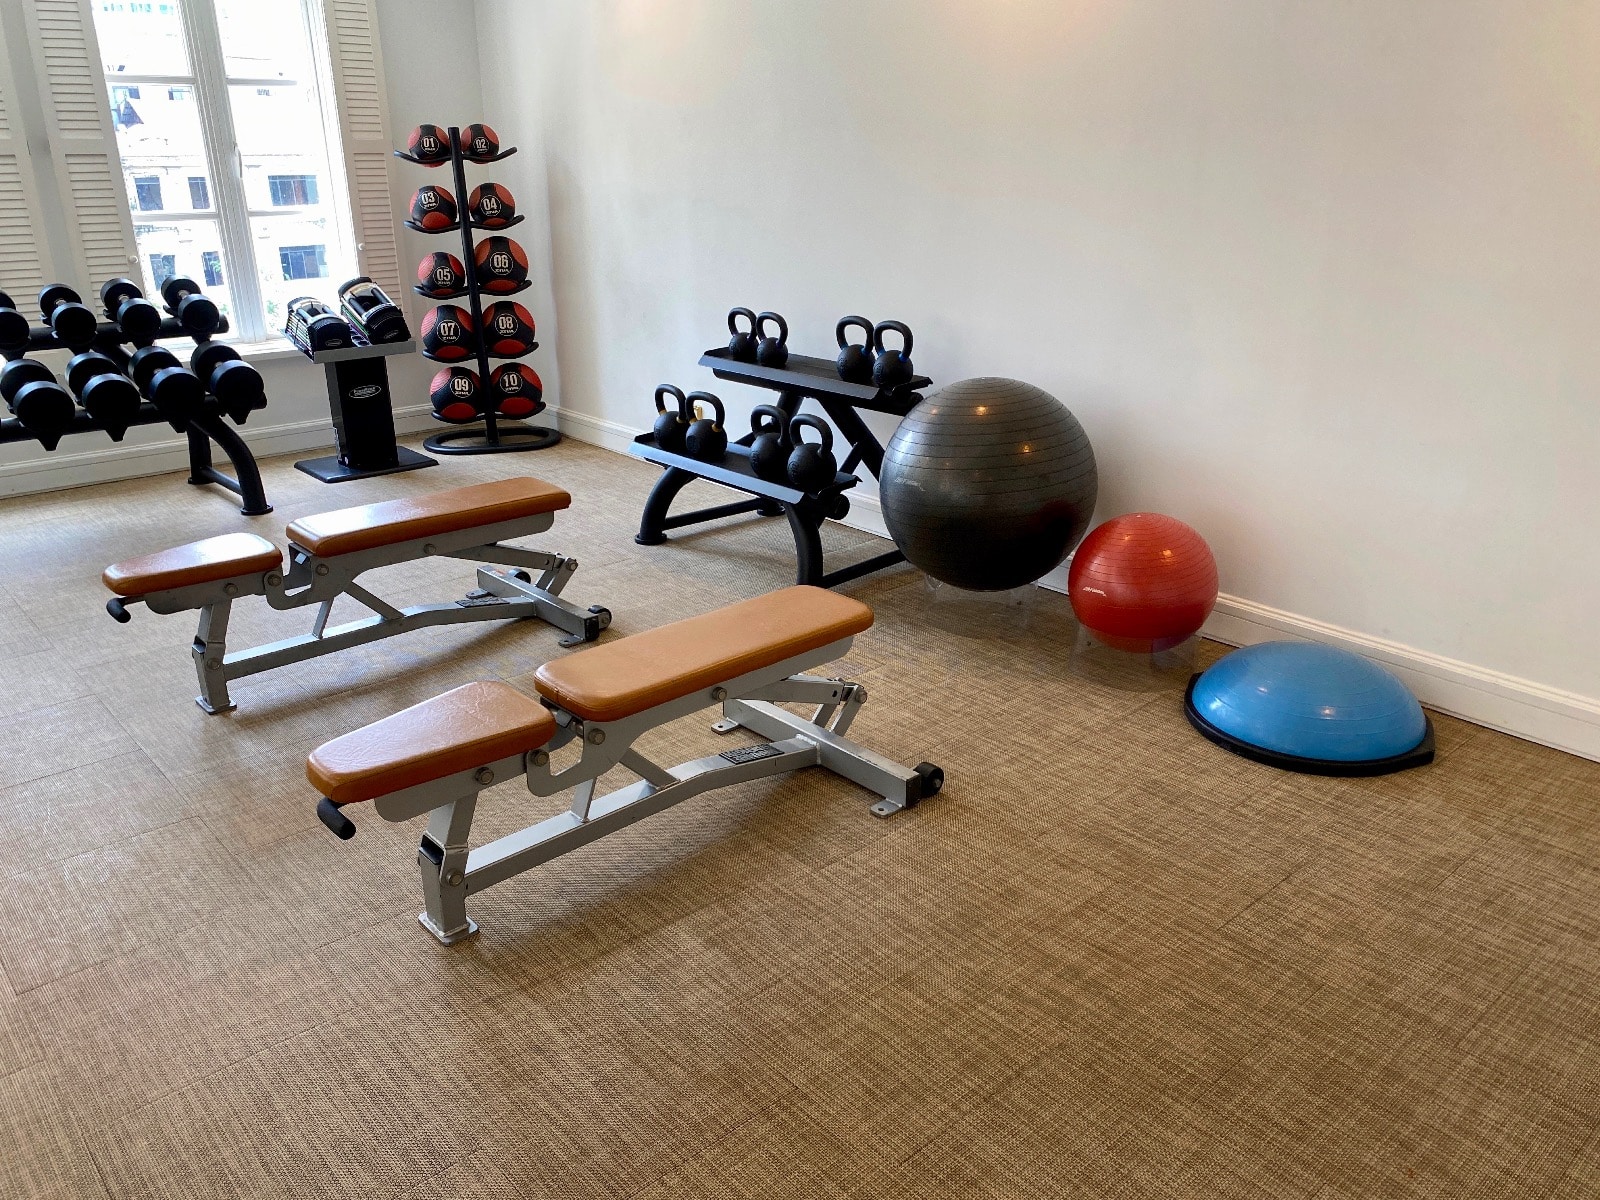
(441, 274)
(492, 205)
(454, 392)
(508, 329)
(433, 208)
(502, 266)
(447, 334)
(517, 390)
(429, 145)
(479, 143)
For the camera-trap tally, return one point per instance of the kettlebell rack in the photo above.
(498, 436)
(800, 377)
(201, 428)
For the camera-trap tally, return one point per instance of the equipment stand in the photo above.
(363, 415)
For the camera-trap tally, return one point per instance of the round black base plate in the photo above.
(476, 441)
(1419, 755)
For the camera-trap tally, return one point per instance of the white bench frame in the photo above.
(451, 870)
(502, 595)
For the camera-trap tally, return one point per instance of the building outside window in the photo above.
(147, 193)
(303, 262)
(257, 222)
(292, 190)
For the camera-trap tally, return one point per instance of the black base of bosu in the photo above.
(506, 439)
(1419, 755)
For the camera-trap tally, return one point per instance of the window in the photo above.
(147, 192)
(249, 73)
(293, 190)
(303, 262)
(163, 267)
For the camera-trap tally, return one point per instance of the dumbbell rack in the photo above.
(363, 415)
(799, 378)
(497, 436)
(202, 430)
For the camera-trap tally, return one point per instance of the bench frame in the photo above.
(501, 595)
(452, 870)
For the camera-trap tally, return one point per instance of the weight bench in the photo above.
(329, 550)
(435, 757)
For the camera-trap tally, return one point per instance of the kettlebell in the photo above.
(892, 368)
(772, 351)
(706, 440)
(671, 423)
(742, 345)
(811, 465)
(854, 362)
(769, 452)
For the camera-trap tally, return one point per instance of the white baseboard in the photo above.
(53, 471)
(1520, 707)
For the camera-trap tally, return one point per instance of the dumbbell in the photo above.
(366, 306)
(14, 329)
(196, 313)
(106, 394)
(313, 326)
(42, 406)
(237, 385)
(176, 391)
(139, 320)
(70, 319)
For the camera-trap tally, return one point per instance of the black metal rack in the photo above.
(202, 429)
(801, 377)
(497, 435)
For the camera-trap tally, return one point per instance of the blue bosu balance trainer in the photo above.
(1311, 708)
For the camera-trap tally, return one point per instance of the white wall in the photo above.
(431, 74)
(1318, 278)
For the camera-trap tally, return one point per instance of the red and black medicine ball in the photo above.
(508, 329)
(447, 334)
(502, 266)
(492, 205)
(441, 274)
(479, 143)
(454, 392)
(433, 208)
(517, 390)
(429, 145)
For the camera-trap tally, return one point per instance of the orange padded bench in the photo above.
(327, 551)
(437, 756)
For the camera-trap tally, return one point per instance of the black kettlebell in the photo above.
(671, 423)
(854, 362)
(811, 465)
(706, 440)
(892, 368)
(769, 452)
(772, 351)
(742, 345)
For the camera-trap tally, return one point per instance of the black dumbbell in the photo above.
(14, 329)
(106, 394)
(139, 320)
(197, 314)
(176, 391)
(42, 406)
(237, 385)
(70, 319)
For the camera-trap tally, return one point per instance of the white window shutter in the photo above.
(357, 68)
(83, 144)
(23, 253)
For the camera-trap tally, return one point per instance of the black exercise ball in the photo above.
(988, 484)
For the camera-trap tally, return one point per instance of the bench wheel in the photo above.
(932, 779)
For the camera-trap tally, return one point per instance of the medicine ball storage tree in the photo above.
(454, 335)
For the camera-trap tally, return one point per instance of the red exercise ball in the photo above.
(1143, 582)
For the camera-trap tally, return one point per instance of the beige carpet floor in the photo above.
(1110, 960)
